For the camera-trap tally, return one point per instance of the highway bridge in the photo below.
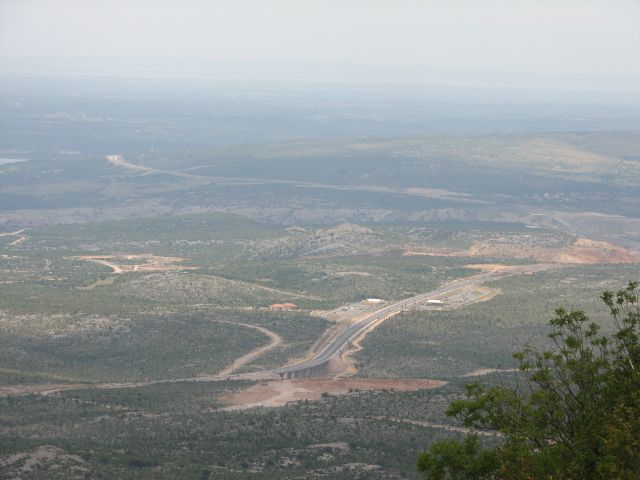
(318, 365)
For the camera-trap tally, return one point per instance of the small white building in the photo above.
(374, 300)
(434, 302)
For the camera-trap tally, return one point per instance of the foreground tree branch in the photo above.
(579, 418)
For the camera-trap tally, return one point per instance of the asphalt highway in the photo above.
(338, 343)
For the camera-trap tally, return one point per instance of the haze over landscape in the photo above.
(575, 45)
(271, 240)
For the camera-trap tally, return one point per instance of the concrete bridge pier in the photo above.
(315, 371)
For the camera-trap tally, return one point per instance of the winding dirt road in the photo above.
(440, 426)
(51, 388)
(252, 355)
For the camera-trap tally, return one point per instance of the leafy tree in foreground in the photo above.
(577, 416)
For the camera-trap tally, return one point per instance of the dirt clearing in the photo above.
(121, 263)
(280, 392)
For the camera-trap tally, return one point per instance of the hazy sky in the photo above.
(563, 43)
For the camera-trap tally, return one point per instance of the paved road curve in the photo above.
(337, 344)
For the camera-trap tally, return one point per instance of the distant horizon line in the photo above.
(301, 71)
(167, 76)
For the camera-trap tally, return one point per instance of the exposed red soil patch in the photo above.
(582, 252)
(585, 251)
